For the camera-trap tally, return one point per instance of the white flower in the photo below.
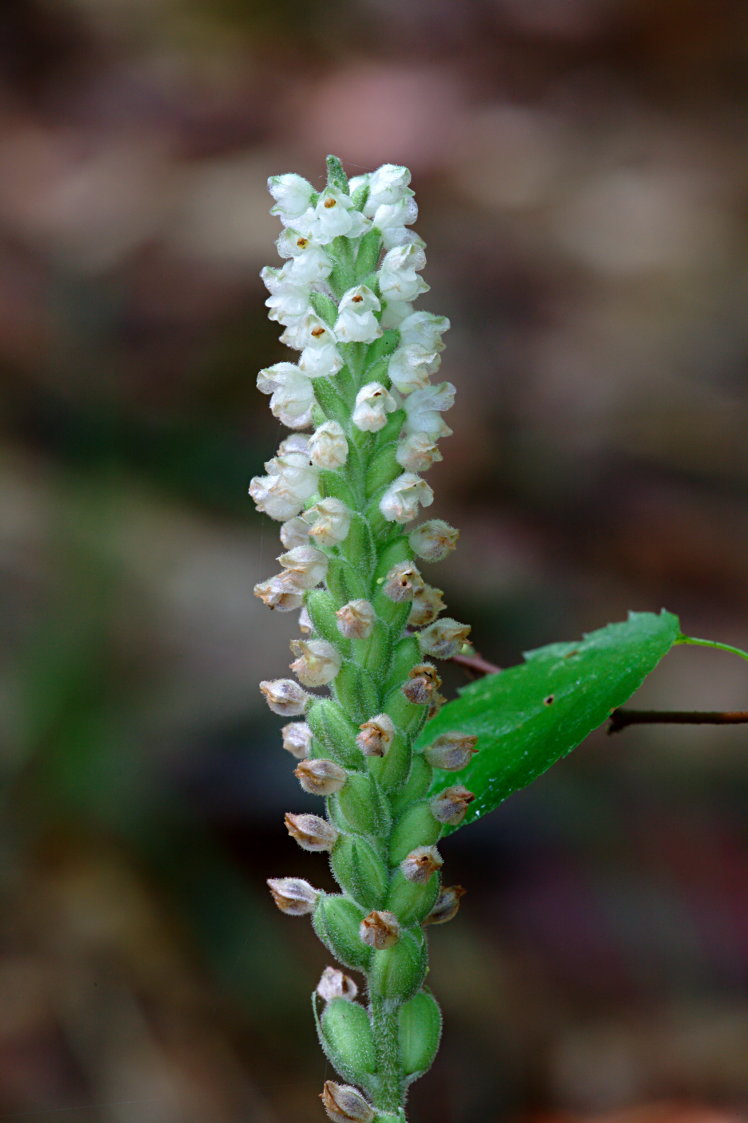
(280, 592)
(402, 498)
(330, 521)
(388, 184)
(373, 403)
(356, 322)
(424, 329)
(319, 355)
(417, 452)
(433, 540)
(332, 216)
(356, 619)
(310, 263)
(410, 368)
(273, 497)
(288, 301)
(292, 395)
(297, 739)
(328, 447)
(423, 408)
(398, 278)
(307, 564)
(391, 218)
(318, 661)
(394, 312)
(285, 697)
(298, 475)
(292, 193)
(294, 532)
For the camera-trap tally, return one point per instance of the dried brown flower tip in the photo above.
(293, 895)
(419, 865)
(311, 832)
(376, 735)
(427, 603)
(447, 905)
(450, 806)
(380, 930)
(335, 984)
(451, 751)
(345, 1104)
(422, 683)
(320, 777)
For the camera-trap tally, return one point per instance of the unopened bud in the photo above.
(328, 447)
(285, 697)
(380, 929)
(433, 540)
(305, 622)
(320, 777)
(356, 619)
(280, 592)
(444, 638)
(447, 905)
(293, 895)
(423, 682)
(402, 581)
(318, 661)
(311, 832)
(335, 984)
(308, 565)
(297, 739)
(450, 806)
(451, 751)
(376, 735)
(427, 603)
(345, 1104)
(330, 521)
(419, 865)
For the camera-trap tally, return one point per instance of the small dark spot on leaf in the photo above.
(569, 654)
(549, 700)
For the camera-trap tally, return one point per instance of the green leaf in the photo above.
(528, 717)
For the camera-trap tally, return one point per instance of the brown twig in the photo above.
(476, 664)
(619, 719)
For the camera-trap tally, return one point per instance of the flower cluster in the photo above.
(366, 418)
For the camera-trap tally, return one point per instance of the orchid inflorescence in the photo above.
(369, 623)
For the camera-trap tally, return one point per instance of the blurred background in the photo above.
(581, 168)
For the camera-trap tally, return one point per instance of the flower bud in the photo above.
(373, 403)
(427, 603)
(403, 497)
(336, 921)
(285, 697)
(293, 895)
(330, 521)
(419, 865)
(328, 447)
(294, 532)
(280, 592)
(376, 735)
(320, 777)
(297, 739)
(311, 832)
(433, 540)
(318, 661)
(444, 638)
(419, 1030)
(305, 622)
(422, 684)
(380, 929)
(347, 1039)
(356, 322)
(450, 806)
(402, 581)
(447, 905)
(451, 751)
(335, 984)
(356, 619)
(308, 565)
(345, 1104)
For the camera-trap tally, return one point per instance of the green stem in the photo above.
(385, 1026)
(712, 643)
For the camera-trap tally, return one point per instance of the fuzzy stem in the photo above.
(384, 1021)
